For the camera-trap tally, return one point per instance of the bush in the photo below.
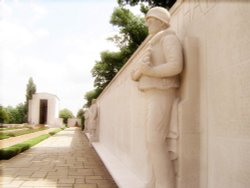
(55, 131)
(3, 136)
(51, 133)
(7, 153)
(11, 151)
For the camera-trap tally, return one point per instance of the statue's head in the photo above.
(157, 18)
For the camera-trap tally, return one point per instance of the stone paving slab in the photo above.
(17, 139)
(63, 160)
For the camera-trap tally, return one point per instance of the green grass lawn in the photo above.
(6, 129)
(9, 152)
(19, 133)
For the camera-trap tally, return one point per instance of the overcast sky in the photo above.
(56, 42)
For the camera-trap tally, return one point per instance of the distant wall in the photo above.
(214, 119)
(72, 122)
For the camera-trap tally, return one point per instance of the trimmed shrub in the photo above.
(11, 151)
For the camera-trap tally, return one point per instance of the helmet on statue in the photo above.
(159, 13)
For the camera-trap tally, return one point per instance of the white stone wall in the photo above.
(214, 141)
(122, 125)
(222, 30)
(72, 122)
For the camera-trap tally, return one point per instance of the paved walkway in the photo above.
(63, 160)
(17, 139)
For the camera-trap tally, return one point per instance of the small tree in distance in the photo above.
(30, 90)
(80, 115)
(65, 114)
(3, 115)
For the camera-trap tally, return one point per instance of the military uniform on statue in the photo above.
(158, 77)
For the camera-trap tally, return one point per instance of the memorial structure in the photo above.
(157, 76)
(92, 119)
(72, 122)
(44, 109)
(210, 107)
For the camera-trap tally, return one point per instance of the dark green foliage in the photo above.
(3, 136)
(30, 90)
(8, 153)
(51, 133)
(65, 114)
(152, 3)
(132, 29)
(80, 115)
(55, 131)
(132, 32)
(14, 150)
(3, 115)
(16, 115)
(106, 69)
(90, 95)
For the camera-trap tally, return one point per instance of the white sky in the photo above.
(56, 42)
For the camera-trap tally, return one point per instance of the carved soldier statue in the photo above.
(158, 77)
(86, 120)
(93, 120)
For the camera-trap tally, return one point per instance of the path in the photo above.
(17, 139)
(63, 160)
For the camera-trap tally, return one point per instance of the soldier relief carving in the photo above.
(91, 121)
(157, 75)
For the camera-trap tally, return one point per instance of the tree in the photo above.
(21, 113)
(80, 115)
(152, 3)
(90, 95)
(65, 114)
(30, 90)
(16, 115)
(106, 69)
(132, 29)
(132, 32)
(3, 115)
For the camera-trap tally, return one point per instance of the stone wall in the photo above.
(214, 119)
(72, 122)
(222, 30)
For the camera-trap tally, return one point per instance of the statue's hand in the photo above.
(135, 75)
(145, 68)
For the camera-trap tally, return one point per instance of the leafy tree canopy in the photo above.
(132, 32)
(80, 115)
(15, 114)
(90, 95)
(65, 114)
(152, 3)
(3, 115)
(30, 90)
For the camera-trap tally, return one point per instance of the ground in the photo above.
(63, 160)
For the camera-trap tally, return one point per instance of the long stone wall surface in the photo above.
(214, 121)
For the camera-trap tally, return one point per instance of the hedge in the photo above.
(9, 152)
